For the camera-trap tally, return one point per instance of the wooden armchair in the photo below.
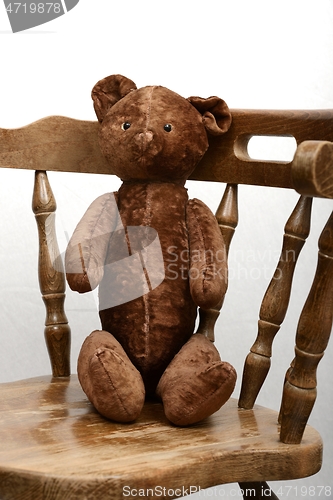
(55, 446)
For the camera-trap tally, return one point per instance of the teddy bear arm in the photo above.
(87, 248)
(208, 258)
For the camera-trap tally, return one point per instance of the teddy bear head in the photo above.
(152, 133)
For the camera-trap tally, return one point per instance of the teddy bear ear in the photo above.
(108, 91)
(216, 116)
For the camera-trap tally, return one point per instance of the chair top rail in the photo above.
(58, 143)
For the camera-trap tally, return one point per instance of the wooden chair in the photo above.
(55, 446)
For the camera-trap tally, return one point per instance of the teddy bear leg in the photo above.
(196, 383)
(111, 382)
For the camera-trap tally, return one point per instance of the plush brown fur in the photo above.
(153, 139)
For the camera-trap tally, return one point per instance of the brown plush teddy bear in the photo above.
(156, 257)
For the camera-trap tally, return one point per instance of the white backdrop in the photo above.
(253, 54)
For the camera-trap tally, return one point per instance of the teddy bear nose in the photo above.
(147, 146)
(144, 139)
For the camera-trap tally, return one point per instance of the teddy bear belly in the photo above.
(155, 325)
(152, 329)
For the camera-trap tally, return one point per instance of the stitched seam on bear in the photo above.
(111, 383)
(202, 238)
(127, 239)
(146, 326)
(82, 260)
(149, 109)
(144, 137)
(96, 223)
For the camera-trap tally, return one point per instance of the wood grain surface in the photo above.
(51, 277)
(64, 144)
(55, 446)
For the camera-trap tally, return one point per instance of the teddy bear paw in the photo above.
(111, 382)
(197, 398)
(196, 383)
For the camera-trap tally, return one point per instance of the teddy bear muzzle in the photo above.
(144, 139)
(147, 147)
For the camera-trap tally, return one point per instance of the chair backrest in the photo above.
(63, 144)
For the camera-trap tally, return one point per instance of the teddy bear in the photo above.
(155, 256)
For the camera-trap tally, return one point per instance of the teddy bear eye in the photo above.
(126, 125)
(167, 127)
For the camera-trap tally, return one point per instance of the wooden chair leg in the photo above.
(257, 490)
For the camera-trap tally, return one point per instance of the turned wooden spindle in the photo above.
(227, 214)
(51, 277)
(227, 218)
(275, 303)
(313, 332)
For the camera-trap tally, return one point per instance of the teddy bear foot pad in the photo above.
(196, 383)
(109, 379)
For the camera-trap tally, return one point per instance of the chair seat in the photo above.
(55, 445)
